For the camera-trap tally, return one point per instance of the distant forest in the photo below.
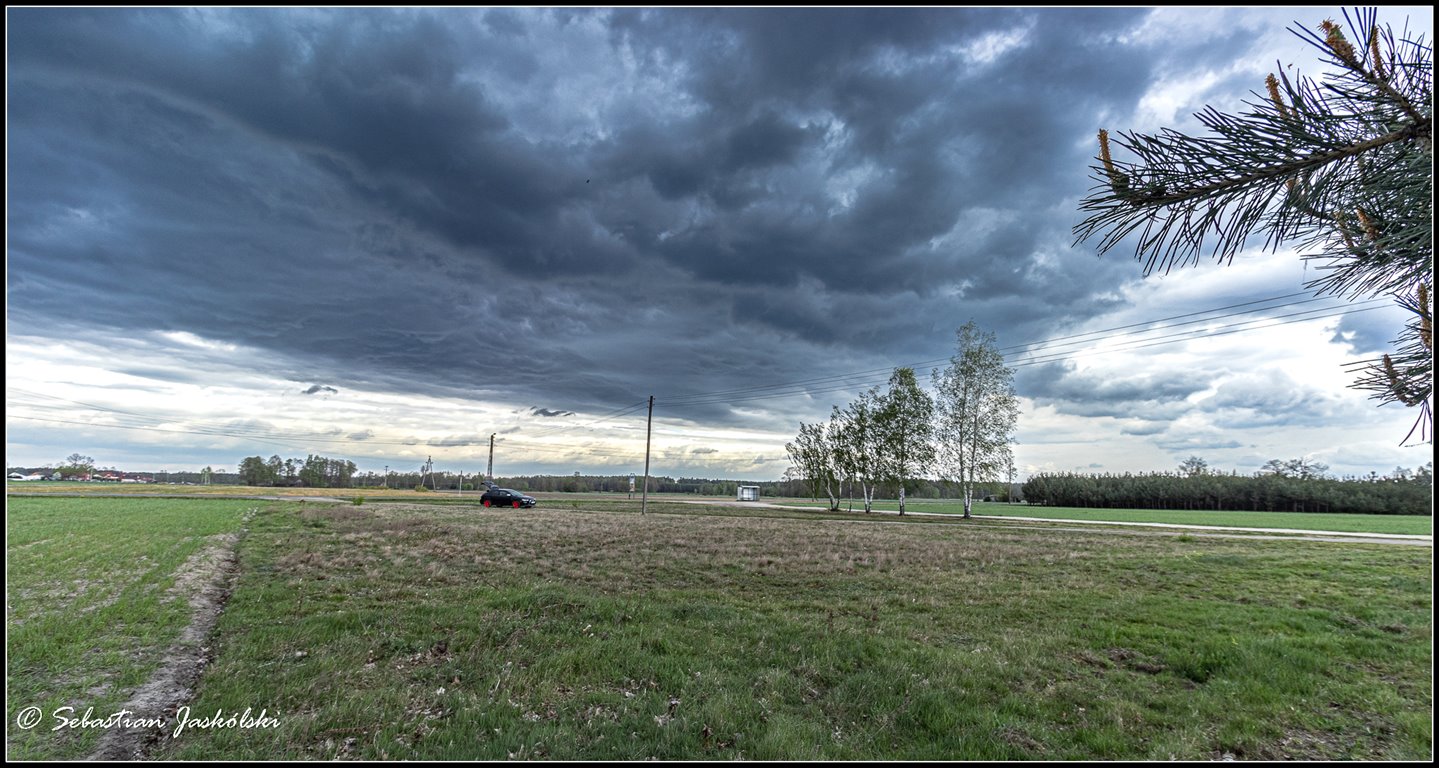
(1402, 493)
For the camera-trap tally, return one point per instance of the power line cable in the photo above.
(1102, 333)
(1210, 332)
(860, 379)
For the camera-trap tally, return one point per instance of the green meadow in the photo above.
(586, 631)
(92, 605)
(1311, 521)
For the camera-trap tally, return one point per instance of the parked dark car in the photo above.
(504, 497)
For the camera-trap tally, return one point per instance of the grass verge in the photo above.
(1313, 521)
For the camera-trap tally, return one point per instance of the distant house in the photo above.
(1016, 494)
(747, 493)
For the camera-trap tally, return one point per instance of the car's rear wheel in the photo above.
(487, 502)
(517, 505)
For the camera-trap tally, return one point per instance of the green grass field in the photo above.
(444, 631)
(90, 603)
(1316, 521)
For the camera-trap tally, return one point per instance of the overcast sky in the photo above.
(387, 235)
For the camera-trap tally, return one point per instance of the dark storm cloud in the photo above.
(581, 206)
(1369, 334)
(1151, 397)
(924, 137)
(547, 413)
(318, 388)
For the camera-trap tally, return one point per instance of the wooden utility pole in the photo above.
(490, 473)
(649, 420)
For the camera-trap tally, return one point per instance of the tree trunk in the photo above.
(968, 501)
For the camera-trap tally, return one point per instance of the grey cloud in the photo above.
(1192, 443)
(249, 425)
(161, 374)
(1257, 401)
(547, 413)
(318, 388)
(457, 441)
(1152, 397)
(1369, 334)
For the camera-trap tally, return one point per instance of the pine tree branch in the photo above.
(1281, 171)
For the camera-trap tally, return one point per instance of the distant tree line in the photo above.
(311, 472)
(1285, 487)
(788, 488)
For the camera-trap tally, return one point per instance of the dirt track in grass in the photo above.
(204, 581)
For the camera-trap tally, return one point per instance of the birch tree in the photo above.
(857, 441)
(842, 453)
(812, 454)
(976, 413)
(905, 424)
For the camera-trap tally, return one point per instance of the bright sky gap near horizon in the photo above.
(383, 235)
